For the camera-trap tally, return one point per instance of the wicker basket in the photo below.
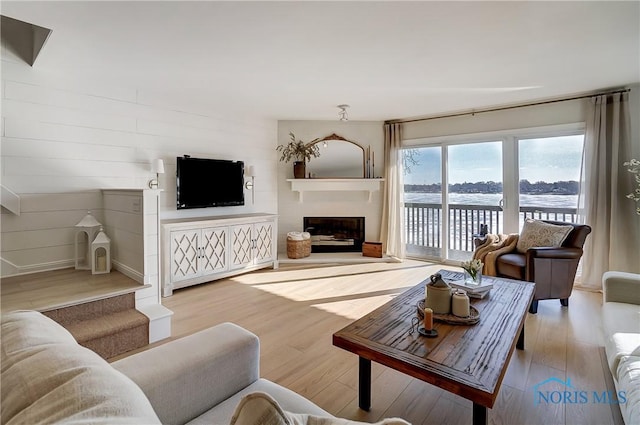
(298, 249)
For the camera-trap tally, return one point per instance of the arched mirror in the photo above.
(339, 158)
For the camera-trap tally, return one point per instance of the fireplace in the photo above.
(335, 234)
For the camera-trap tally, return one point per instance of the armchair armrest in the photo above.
(621, 287)
(555, 252)
(186, 377)
(549, 252)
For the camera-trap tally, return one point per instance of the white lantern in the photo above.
(86, 231)
(101, 254)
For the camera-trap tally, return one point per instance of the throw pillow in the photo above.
(537, 233)
(48, 378)
(261, 409)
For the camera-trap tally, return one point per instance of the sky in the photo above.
(549, 160)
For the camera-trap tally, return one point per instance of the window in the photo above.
(549, 171)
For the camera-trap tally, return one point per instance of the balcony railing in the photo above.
(423, 223)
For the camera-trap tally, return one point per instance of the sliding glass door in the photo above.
(423, 201)
(455, 191)
(441, 220)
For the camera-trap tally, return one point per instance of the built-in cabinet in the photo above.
(205, 249)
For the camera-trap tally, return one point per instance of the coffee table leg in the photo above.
(480, 415)
(364, 384)
(520, 343)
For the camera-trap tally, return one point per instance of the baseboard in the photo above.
(128, 271)
(15, 270)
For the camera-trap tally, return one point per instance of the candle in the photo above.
(428, 319)
(102, 264)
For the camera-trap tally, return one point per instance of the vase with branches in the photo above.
(633, 167)
(299, 152)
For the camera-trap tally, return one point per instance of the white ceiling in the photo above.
(298, 60)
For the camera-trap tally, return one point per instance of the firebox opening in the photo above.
(335, 234)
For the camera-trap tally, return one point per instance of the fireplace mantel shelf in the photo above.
(308, 185)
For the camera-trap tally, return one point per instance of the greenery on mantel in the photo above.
(298, 150)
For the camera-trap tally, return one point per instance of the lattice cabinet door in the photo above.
(263, 237)
(214, 250)
(184, 255)
(202, 250)
(241, 245)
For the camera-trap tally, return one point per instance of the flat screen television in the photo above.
(203, 183)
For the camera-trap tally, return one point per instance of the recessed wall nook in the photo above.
(345, 181)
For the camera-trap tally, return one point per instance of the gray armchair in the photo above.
(553, 269)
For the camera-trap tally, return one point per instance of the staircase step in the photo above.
(99, 310)
(113, 345)
(46, 291)
(112, 334)
(106, 325)
(93, 309)
(110, 326)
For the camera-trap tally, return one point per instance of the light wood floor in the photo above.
(296, 309)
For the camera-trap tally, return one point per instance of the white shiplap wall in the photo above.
(62, 142)
(42, 237)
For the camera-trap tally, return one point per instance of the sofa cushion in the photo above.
(538, 233)
(629, 382)
(621, 329)
(261, 409)
(511, 265)
(48, 378)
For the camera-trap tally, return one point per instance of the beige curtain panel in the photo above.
(392, 232)
(605, 182)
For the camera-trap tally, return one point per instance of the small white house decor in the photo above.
(86, 231)
(101, 254)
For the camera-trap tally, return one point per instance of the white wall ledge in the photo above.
(331, 185)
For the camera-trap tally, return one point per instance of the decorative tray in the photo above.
(472, 319)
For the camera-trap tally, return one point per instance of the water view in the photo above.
(547, 201)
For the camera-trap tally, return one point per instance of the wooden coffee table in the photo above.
(468, 360)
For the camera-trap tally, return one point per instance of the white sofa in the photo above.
(47, 377)
(621, 325)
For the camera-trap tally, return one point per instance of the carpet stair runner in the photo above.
(109, 326)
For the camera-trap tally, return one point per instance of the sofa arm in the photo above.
(621, 287)
(186, 377)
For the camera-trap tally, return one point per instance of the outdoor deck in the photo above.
(423, 223)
